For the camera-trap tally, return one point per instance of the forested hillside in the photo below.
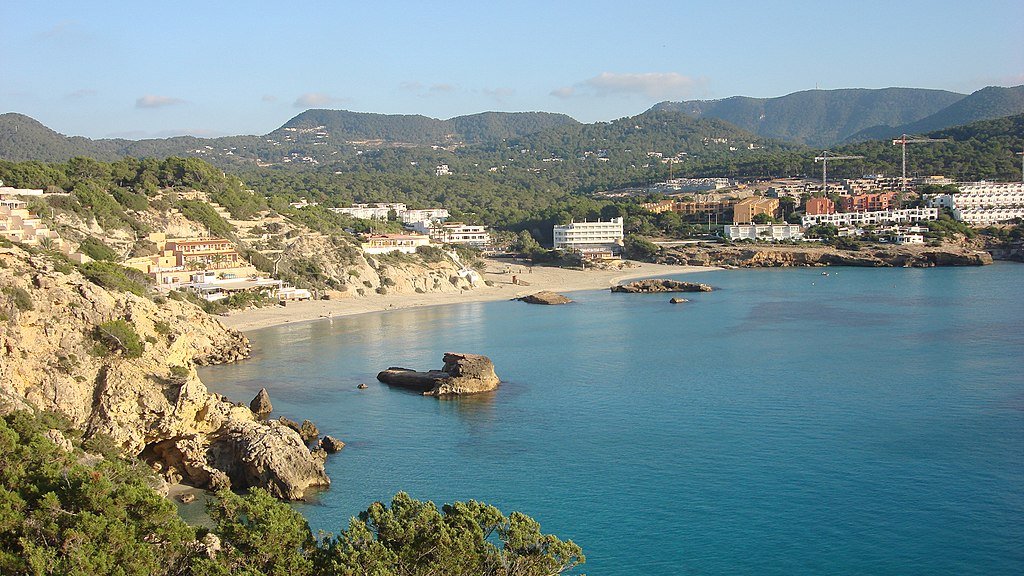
(820, 117)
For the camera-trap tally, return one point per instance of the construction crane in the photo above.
(903, 141)
(824, 158)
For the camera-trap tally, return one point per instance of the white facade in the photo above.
(903, 216)
(377, 211)
(983, 203)
(425, 215)
(458, 233)
(771, 232)
(909, 239)
(588, 236)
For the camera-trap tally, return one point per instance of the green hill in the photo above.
(985, 104)
(820, 117)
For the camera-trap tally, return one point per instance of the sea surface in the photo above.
(866, 422)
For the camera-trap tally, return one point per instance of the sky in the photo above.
(155, 69)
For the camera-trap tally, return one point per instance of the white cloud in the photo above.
(442, 87)
(154, 101)
(498, 94)
(80, 94)
(269, 98)
(655, 85)
(316, 100)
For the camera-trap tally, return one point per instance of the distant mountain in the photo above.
(985, 104)
(419, 130)
(820, 118)
(311, 134)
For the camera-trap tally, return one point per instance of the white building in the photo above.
(771, 232)
(424, 215)
(909, 239)
(459, 233)
(378, 211)
(903, 216)
(984, 203)
(590, 238)
(442, 170)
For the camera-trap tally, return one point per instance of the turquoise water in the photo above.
(867, 422)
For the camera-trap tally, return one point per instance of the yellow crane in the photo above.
(824, 158)
(903, 141)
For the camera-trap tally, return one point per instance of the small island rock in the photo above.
(657, 285)
(461, 374)
(308, 431)
(545, 297)
(362, 386)
(331, 445)
(261, 405)
(678, 301)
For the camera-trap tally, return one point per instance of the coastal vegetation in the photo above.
(64, 510)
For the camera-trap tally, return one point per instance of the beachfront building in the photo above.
(386, 243)
(984, 203)
(177, 259)
(771, 232)
(597, 239)
(743, 212)
(208, 287)
(459, 233)
(854, 219)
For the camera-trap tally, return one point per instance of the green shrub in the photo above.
(95, 248)
(119, 335)
(115, 277)
(20, 297)
(161, 327)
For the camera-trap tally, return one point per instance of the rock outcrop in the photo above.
(461, 374)
(331, 445)
(678, 301)
(261, 405)
(545, 297)
(150, 401)
(658, 285)
(774, 256)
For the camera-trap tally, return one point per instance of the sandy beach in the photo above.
(502, 288)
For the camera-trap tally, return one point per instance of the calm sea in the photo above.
(865, 422)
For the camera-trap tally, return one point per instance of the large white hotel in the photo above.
(904, 216)
(984, 203)
(594, 239)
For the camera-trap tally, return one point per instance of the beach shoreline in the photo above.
(501, 288)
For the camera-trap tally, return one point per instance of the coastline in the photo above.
(541, 278)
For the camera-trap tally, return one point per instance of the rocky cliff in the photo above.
(146, 397)
(767, 256)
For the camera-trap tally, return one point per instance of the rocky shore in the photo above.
(137, 386)
(769, 256)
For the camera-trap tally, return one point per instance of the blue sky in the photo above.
(144, 69)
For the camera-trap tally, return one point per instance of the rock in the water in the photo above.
(462, 374)
(545, 297)
(362, 386)
(660, 285)
(267, 454)
(261, 405)
(678, 301)
(331, 444)
(289, 423)
(187, 498)
(308, 431)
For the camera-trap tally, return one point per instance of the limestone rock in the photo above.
(678, 301)
(147, 405)
(59, 439)
(461, 374)
(266, 454)
(656, 285)
(308, 431)
(331, 444)
(261, 405)
(545, 297)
